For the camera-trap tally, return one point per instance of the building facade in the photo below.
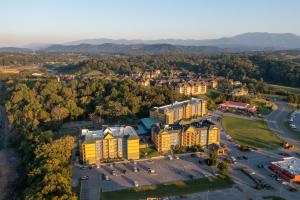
(177, 111)
(203, 133)
(288, 169)
(191, 88)
(113, 142)
(237, 106)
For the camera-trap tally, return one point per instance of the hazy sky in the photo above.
(27, 21)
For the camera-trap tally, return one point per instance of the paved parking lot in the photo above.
(186, 167)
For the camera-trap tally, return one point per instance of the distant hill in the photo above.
(160, 49)
(246, 41)
(15, 50)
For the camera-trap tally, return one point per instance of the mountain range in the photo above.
(256, 41)
(248, 41)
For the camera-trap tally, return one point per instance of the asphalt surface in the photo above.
(277, 119)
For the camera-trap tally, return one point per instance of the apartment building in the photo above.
(237, 92)
(191, 88)
(203, 133)
(111, 142)
(177, 111)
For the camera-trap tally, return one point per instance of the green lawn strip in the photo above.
(252, 133)
(175, 188)
(290, 90)
(148, 152)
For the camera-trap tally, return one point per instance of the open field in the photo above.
(170, 189)
(291, 90)
(253, 133)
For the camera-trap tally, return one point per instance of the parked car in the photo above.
(135, 169)
(170, 157)
(83, 167)
(84, 178)
(136, 183)
(113, 172)
(176, 157)
(151, 171)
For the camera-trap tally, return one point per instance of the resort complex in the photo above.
(177, 111)
(111, 142)
(201, 133)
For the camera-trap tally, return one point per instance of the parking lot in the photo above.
(163, 170)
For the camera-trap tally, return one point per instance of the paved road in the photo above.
(276, 121)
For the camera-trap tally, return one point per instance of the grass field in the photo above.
(148, 152)
(170, 189)
(252, 133)
(291, 90)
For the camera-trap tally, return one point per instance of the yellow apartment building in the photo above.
(191, 88)
(203, 133)
(113, 142)
(177, 111)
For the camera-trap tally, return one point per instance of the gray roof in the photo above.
(116, 131)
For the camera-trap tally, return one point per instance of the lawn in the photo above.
(148, 152)
(170, 189)
(290, 90)
(252, 133)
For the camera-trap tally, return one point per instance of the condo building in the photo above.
(191, 88)
(201, 133)
(177, 111)
(111, 142)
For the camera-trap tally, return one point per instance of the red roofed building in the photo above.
(237, 105)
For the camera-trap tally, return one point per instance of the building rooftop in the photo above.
(148, 122)
(145, 125)
(290, 164)
(178, 104)
(203, 124)
(116, 131)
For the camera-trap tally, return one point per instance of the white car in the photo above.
(84, 178)
(136, 184)
(176, 157)
(170, 157)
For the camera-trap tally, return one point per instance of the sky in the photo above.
(56, 21)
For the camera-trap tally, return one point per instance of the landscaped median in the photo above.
(175, 188)
(252, 133)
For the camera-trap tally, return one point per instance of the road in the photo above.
(276, 121)
(244, 186)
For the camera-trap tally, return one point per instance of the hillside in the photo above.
(154, 49)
